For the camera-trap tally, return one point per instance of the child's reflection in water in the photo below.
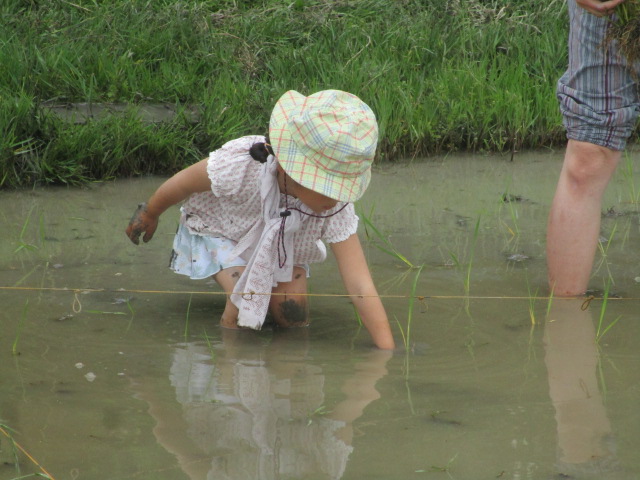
(256, 410)
(585, 441)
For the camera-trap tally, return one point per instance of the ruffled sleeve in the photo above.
(341, 226)
(228, 169)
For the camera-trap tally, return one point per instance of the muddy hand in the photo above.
(141, 223)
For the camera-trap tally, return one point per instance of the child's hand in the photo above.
(141, 222)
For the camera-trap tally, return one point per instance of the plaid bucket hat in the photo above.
(326, 141)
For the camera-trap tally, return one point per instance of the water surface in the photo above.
(113, 367)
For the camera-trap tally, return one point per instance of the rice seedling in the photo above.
(603, 247)
(602, 329)
(186, 321)
(444, 469)
(212, 351)
(132, 312)
(318, 412)
(23, 317)
(549, 303)
(22, 243)
(381, 241)
(406, 332)
(455, 261)
(26, 276)
(532, 303)
(474, 240)
(8, 433)
(510, 200)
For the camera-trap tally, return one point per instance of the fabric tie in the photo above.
(272, 253)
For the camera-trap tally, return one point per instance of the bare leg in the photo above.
(574, 219)
(227, 279)
(571, 355)
(288, 304)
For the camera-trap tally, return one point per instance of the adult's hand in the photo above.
(141, 222)
(598, 8)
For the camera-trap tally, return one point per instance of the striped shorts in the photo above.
(598, 94)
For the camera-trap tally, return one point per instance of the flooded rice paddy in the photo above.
(113, 367)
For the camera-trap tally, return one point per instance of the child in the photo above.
(256, 211)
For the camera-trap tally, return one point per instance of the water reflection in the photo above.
(586, 447)
(252, 408)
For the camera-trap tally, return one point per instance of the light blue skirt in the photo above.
(199, 257)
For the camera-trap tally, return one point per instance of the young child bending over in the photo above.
(256, 211)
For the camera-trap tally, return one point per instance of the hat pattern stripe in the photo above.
(345, 148)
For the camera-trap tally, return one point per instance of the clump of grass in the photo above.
(626, 29)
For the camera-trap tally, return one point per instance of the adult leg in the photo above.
(574, 219)
(288, 305)
(227, 279)
(599, 105)
(571, 355)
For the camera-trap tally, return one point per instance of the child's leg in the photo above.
(289, 306)
(227, 279)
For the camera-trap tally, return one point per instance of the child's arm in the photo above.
(145, 219)
(359, 284)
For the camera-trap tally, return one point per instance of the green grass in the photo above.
(441, 76)
(626, 29)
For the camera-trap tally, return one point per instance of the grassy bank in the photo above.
(440, 75)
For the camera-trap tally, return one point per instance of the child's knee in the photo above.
(290, 311)
(288, 305)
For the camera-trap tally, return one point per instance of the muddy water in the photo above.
(113, 367)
